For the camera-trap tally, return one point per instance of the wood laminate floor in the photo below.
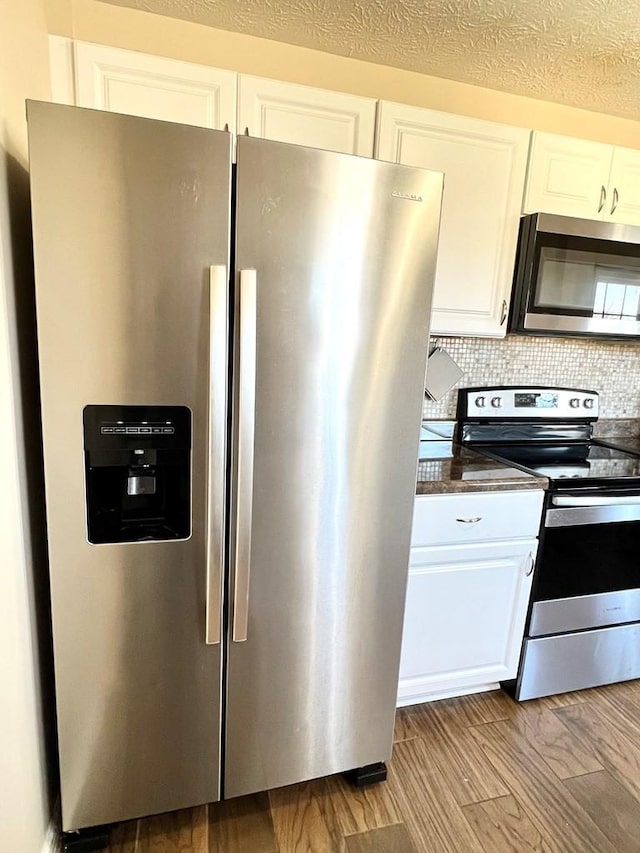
(477, 774)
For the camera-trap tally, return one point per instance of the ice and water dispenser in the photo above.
(138, 473)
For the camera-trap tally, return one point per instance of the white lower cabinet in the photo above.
(466, 605)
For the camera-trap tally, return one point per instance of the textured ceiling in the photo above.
(585, 53)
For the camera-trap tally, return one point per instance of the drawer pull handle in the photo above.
(474, 520)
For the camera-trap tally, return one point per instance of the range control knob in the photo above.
(588, 403)
(481, 402)
(496, 402)
(574, 402)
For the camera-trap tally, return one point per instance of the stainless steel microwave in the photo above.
(576, 277)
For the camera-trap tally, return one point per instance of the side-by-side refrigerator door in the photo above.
(335, 258)
(131, 225)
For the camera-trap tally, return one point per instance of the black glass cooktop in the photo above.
(588, 461)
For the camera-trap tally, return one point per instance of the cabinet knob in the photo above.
(474, 520)
(532, 563)
(503, 316)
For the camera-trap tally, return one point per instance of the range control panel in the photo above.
(505, 403)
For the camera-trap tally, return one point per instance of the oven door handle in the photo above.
(591, 500)
(572, 510)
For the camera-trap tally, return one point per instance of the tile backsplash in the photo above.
(612, 369)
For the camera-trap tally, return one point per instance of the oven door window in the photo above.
(588, 559)
(586, 278)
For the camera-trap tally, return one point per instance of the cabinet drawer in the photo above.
(475, 517)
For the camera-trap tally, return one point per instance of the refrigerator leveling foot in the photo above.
(86, 840)
(370, 774)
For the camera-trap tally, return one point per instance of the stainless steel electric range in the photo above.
(583, 627)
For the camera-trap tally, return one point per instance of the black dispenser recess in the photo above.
(138, 473)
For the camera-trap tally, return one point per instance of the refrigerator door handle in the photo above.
(246, 430)
(217, 447)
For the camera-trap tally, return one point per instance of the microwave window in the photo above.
(587, 284)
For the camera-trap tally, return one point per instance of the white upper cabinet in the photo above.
(63, 86)
(125, 81)
(567, 176)
(575, 177)
(288, 112)
(624, 185)
(484, 169)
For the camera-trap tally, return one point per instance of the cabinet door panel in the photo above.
(568, 176)
(124, 81)
(483, 165)
(303, 115)
(464, 619)
(625, 182)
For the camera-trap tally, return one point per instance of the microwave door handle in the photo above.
(217, 449)
(591, 500)
(603, 198)
(246, 432)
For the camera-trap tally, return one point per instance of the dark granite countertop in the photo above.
(467, 471)
(624, 442)
(615, 428)
(621, 432)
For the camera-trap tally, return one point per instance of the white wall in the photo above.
(24, 799)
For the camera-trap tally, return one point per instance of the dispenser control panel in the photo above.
(120, 427)
(143, 428)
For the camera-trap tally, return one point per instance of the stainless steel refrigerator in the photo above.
(232, 369)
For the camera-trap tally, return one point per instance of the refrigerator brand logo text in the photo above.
(409, 196)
